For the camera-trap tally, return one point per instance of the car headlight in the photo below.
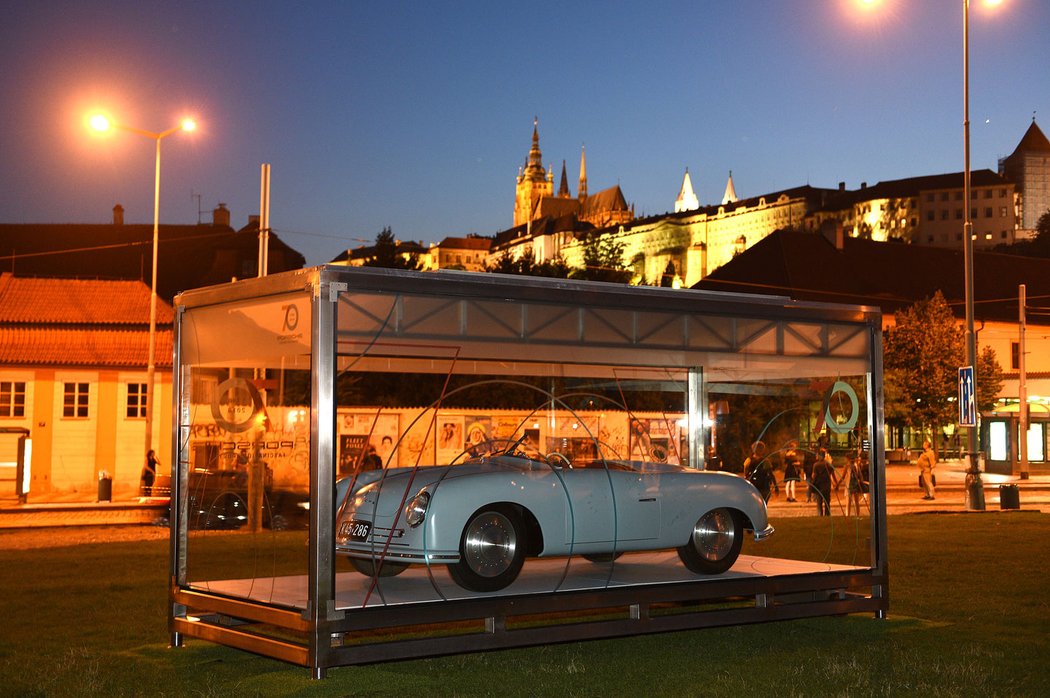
(416, 510)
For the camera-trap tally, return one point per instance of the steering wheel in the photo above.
(558, 460)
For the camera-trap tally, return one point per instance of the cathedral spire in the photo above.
(686, 200)
(583, 173)
(563, 188)
(730, 196)
(534, 169)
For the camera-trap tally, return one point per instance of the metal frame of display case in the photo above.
(323, 636)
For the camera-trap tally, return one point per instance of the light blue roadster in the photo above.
(484, 516)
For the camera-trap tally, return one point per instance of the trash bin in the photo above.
(105, 487)
(1009, 497)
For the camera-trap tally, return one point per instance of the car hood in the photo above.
(384, 491)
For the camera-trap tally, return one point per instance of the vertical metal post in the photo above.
(264, 221)
(151, 368)
(1022, 386)
(697, 405)
(974, 485)
(321, 539)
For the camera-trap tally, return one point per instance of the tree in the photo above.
(525, 265)
(387, 254)
(922, 355)
(603, 260)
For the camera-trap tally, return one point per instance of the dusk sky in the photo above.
(417, 115)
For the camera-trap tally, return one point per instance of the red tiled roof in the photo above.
(77, 301)
(37, 346)
(74, 322)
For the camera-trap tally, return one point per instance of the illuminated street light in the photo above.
(103, 124)
(974, 486)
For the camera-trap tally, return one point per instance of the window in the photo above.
(1015, 355)
(987, 193)
(944, 215)
(12, 399)
(136, 405)
(958, 196)
(1002, 212)
(930, 215)
(944, 196)
(75, 400)
(958, 214)
(988, 212)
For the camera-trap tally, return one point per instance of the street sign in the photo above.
(967, 403)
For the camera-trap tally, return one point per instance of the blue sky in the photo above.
(417, 115)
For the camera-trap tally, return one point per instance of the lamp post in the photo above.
(102, 123)
(974, 485)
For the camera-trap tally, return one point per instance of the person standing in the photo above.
(149, 472)
(927, 462)
(759, 471)
(822, 481)
(792, 470)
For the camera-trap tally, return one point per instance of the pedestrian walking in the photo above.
(149, 473)
(927, 461)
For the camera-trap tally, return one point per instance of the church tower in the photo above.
(534, 182)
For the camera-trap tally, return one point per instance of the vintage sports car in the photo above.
(484, 516)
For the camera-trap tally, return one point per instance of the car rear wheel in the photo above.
(387, 569)
(714, 543)
(491, 550)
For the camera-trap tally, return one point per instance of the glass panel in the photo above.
(245, 446)
(524, 447)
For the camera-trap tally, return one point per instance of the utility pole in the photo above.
(1022, 386)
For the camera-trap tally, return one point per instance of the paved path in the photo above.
(902, 496)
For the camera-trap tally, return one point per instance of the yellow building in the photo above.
(73, 372)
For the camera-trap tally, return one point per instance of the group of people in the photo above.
(818, 475)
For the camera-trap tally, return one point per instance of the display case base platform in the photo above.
(421, 612)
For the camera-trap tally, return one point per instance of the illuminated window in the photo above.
(1002, 212)
(1036, 439)
(75, 399)
(12, 398)
(136, 403)
(998, 446)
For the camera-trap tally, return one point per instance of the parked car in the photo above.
(483, 517)
(218, 500)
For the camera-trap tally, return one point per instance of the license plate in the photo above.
(355, 530)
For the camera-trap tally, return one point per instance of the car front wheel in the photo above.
(491, 550)
(714, 543)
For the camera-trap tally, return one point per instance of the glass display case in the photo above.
(375, 464)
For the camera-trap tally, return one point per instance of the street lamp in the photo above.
(102, 124)
(974, 485)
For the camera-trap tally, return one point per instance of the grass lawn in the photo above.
(969, 615)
